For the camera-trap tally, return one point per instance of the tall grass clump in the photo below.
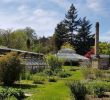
(78, 90)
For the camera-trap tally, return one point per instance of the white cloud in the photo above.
(43, 21)
(105, 37)
(95, 5)
(23, 9)
(43, 13)
(8, 1)
(108, 33)
(65, 4)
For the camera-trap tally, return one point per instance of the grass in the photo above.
(50, 90)
(57, 90)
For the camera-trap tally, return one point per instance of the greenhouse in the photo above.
(69, 54)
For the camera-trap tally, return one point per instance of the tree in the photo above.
(28, 44)
(71, 22)
(84, 39)
(30, 33)
(6, 37)
(60, 36)
(10, 68)
(104, 48)
(17, 39)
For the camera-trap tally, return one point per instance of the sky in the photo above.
(44, 15)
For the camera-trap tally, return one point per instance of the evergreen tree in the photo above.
(60, 35)
(84, 39)
(72, 23)
(28, 43)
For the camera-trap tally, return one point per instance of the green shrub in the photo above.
(78, 90)
(18, 94)
(4, 94)
(38, 80)
(97, 88)
(48, 72)
(52, 79)
(54, 63)
(10, 68)
(98, 73)
(73, 69)
(64, 74)
(26, 76)
(88, 73)
(99, 91)
(8, 93)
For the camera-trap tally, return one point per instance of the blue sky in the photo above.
(44, 15)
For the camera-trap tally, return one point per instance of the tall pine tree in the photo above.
(60, 36)
(84, 39)
(72, 22)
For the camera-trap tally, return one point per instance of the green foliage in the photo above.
(98, 88)
(65, 32)
(48, 72)
(26, 76)
(54, 63)
(28, 44)
(17, 38)
(84, 39)
(10, 68)
(78, 90)
(8, 93)
(73, 69)
(67, 45)
(60, 36)
(4, 94)
(52, 79)
(18, 94)
(88, 73)
(71, 22)
(64, 74)
(38, 80)
(104, 48)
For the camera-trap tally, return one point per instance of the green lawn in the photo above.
(51, 90)
(57, 90)
(54, 90)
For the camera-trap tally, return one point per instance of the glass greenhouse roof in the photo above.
(69, 54)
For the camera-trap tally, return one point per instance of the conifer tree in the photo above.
(84, 39)
(60, 36)
(72, 22)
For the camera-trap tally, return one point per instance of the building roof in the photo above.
(101, 56)
(16, 50)
(70, 55)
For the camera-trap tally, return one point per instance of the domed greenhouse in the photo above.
(70, 57)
